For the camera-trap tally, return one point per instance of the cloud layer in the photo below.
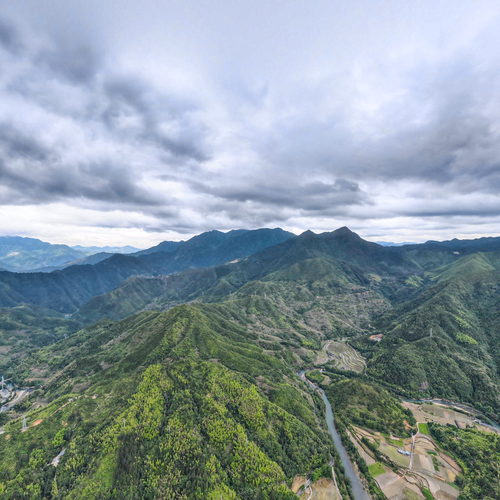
(132, 125)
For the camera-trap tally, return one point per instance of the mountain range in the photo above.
(20, 254)
(172, 371)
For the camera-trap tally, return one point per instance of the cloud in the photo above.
(313, 196)
(134, 109)
(75, 62)
(180, 120)
(17, 145)
(9, 37)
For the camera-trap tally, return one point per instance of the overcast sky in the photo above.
(134, 122)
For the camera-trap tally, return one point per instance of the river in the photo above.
(358, 489)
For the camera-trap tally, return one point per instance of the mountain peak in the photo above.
(307, 234)
(344, 230)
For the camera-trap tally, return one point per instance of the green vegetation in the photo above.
(478, 454)
(427, 494)
(442, 342)
(465, 339)
(68, 289)
(438, 336)
(23, 329)
(203, 401)
(397, 442)
(368, 405)
(315, 376)
(376, 469)
(423, 427)
(373, 487)
(170, 409)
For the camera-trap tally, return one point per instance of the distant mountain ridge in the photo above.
(22, 254)
(307, 256)
(484, 244)
(108, 249)
(67, 289)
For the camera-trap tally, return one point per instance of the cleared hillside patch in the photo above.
(344, 357)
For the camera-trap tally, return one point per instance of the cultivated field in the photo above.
(435, 412)
(426, 468)
(343, 356)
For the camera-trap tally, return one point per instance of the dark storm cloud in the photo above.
(131, 99)
(78, 63)
(70, 84)
(31, 172)
(309, 196)
(447, 134)
(39, 183)
(9, 37)
(458, 143)
(15, 144)
(478, 209)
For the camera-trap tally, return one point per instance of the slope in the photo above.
(315, 287)
(65, 290)
(22, 254)
(23, 329)
(328, 265)
(445, 341)
(163, 405)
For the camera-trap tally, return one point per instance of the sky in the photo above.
(135, 122)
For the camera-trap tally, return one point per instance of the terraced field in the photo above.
(344, 357)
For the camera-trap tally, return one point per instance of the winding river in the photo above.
(358, 489)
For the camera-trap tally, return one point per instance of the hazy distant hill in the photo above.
(92, 250)
(21, 254)
(65, 290)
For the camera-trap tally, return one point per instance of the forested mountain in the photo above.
(446, 340)
(25, 328)
(215, 247)
(462, 246)
(181, 404)
(21, 254)
(183, 383)
(434, 323)
(334, 264)
(65, 290)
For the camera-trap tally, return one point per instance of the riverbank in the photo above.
(357, 486)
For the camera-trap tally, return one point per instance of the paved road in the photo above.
(20, 395)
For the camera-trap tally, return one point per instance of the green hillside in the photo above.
(179, 404)
(67, 289)
(478, 453)
(305, 268)
(439, 326)
(445, 342)
(23, 329)
(185, 385)
(22, 254)
(369, 405)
